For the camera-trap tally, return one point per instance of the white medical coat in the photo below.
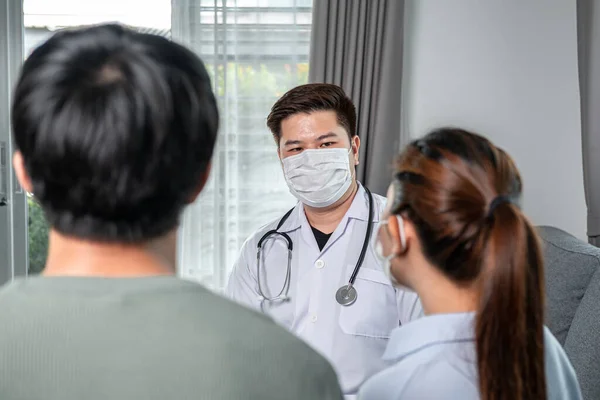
(353, 338)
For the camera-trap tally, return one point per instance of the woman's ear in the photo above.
(402, 231)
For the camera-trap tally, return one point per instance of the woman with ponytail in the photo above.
(454, 233)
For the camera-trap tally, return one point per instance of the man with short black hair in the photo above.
(315, 269)
(114, 133)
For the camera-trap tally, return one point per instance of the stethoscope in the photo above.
(346, 295)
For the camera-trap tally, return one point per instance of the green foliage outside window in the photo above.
(38, 237)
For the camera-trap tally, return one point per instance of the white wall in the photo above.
(508, 70)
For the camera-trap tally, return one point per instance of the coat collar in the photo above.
(359, 209)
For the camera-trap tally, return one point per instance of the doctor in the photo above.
(314, 269)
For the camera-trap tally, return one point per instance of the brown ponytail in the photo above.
(509, 328)
(449, 184)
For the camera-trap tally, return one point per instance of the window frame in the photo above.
(13, 216)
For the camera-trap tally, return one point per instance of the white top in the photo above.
(435, 358)
(352, 338)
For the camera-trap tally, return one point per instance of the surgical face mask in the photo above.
(318, 177)
(386, 261)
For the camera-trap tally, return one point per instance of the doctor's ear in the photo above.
(355, 146)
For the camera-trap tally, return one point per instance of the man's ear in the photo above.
(201, 184)
(21, 172)
(355, 144)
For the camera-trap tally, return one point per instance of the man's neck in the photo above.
(327, 219)
(69, 256)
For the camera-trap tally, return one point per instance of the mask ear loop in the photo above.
(402, 232)
(351, 151)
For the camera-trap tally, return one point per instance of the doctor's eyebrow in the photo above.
(327, 135)
(292, 142)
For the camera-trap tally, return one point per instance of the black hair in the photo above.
(116, 128)
(310, 98)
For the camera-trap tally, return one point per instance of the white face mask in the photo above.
(318, 177)
(386, 261)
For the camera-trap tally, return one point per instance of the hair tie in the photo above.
(498, 200)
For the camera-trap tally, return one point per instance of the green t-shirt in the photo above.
(147, 338)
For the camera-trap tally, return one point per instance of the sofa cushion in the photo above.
(570, 265)
(573, 303)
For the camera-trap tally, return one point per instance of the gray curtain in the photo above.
(357, 44)
(588, 37)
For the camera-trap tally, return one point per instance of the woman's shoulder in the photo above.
(561, 379)
(434, 379)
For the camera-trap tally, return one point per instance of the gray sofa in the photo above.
(573, 303)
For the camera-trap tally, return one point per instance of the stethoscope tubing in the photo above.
(349, 288)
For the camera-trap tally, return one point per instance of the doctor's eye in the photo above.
(327, 144)
(295, 150)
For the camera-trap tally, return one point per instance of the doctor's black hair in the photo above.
(116, 129)
(310, 98)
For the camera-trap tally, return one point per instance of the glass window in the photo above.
(256, 51)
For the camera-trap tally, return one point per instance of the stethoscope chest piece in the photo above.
(346, 295)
